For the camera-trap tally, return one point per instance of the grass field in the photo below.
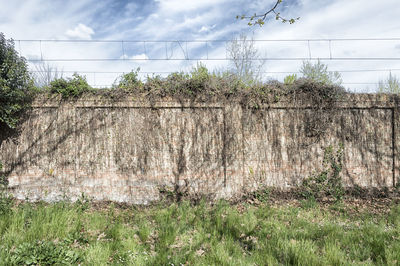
(284, 233)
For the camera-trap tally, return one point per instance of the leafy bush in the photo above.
(327, 182)
(318, 72)
(16, 85)
(130, 81)
(199, 78)
(70, 87)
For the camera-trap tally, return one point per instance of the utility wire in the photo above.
(210, 40)
(169, 72)
(218, 59)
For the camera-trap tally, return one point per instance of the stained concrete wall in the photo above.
(130, 150)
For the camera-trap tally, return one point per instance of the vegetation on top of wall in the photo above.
(204, 86)
(318, 72)
(128, 81)
(70, 87)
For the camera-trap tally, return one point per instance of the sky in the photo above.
(182, 33)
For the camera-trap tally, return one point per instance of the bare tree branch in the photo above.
(45, 74)
(242, 52)
(260, 19)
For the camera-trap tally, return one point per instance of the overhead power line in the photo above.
(169, 72)
(218, 40)
(217, 59)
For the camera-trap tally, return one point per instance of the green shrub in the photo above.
(130, 81)
(70, 87)
(318, 72)
(16, 85)
(327, 182)
(199, 78)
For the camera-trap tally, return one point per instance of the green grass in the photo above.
(305, 233)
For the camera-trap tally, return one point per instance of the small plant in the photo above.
(290, 79)
(327, 182)
(130, 81)
(83, 202)
(144, 232)
(309, 203)
(70, 87)
(262, 195)
(43, 253)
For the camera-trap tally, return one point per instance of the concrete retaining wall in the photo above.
(127, 150)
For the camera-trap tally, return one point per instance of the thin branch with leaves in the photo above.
(260, 19)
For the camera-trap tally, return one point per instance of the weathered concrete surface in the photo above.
(127, 151)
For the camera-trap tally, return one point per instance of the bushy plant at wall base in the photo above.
(16, 85)
(70, 87)
(327, 182)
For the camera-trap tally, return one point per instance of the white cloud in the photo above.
(140, 56)
(80, 32)
(135, 57)
(207, 28)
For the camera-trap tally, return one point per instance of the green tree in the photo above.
(390, 85)
(16, 84)
(318, 72)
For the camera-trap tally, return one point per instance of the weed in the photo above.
(43, 253)
(144, 232)
(262, 195)
(290, 79)
(82, 202)
(309, 203)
